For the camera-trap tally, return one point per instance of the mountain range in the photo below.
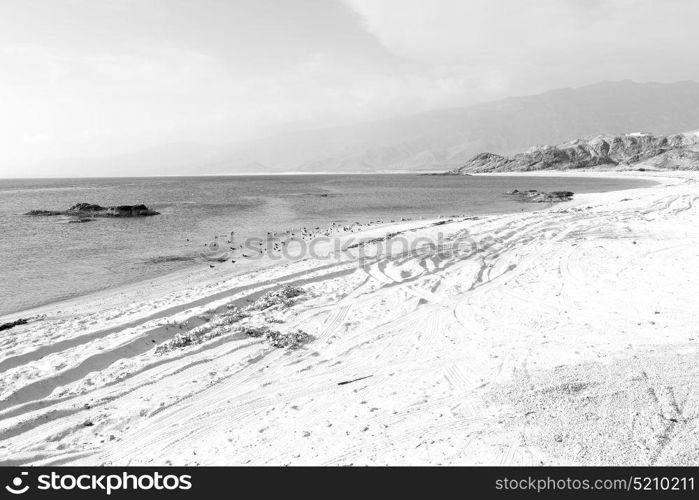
(640, 150)
(436, 140)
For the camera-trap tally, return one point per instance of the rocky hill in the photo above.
(639, 150)
(446, 139)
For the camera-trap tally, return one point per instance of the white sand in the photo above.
(569, 337)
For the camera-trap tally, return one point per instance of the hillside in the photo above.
(447, 138)
(674, 152)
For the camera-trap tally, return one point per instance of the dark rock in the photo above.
(12, 324)
(534, 196)
(43, 213)
(85, 207)
(89, 210)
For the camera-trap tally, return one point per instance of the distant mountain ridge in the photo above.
(675, 152)
(445, 139)
(436, 140)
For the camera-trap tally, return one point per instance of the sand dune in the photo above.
(563, 336)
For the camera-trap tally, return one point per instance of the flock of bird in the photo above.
(275, 241)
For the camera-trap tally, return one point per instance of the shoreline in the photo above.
(571, 172)
(413, 358)
(188, 272)
(242, 174)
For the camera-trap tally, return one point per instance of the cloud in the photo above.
(67, 102)
(324, 90)
(541, 40)
(85, 81)
(83, 103)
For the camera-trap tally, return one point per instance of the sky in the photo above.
(95, 78)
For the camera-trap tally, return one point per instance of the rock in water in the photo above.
(43, 213)
(534, 196)
(88, 210)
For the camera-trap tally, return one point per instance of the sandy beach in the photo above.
(567, 335)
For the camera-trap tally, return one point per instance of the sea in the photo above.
(46, 259)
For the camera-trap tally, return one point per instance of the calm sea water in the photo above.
(44, 259)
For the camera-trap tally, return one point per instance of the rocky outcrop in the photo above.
(43, 213)
(534, 196)
(89, 210)
(488, 162)
(12, 324)
(679, 151)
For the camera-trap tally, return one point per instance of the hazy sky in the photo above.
(87, 78)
